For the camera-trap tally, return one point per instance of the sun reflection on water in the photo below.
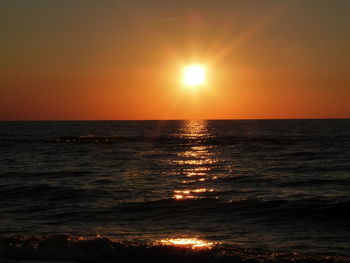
(190, 194)
(197, 158)
(195, 161)
(193, 243)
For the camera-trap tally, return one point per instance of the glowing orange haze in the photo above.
(146, 95)
(125, 62)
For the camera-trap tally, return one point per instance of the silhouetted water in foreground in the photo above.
(227, 190)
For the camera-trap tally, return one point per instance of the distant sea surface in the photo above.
(269, 184)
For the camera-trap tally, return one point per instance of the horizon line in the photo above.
(216, 119)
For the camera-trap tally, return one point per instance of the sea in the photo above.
(259, 187)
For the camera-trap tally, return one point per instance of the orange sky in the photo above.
(84, 60)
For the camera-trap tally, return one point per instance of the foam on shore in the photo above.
(103, 249)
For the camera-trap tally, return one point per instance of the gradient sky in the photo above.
(99, 60)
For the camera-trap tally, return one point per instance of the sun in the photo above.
(194, 75)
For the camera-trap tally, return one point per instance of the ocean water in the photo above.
(268, 184)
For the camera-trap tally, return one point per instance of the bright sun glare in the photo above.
(194, 75)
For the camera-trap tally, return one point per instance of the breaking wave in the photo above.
(103, 249)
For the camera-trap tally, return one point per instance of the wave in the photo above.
(314, 182)
(324, 209)
(48, 192)
(208, 139)
(54, 174)
(103, 249)
(308, 155)
(275, 211)
(303, 169)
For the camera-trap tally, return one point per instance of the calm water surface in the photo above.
(276, 184)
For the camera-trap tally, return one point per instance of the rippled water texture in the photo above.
(277, 184)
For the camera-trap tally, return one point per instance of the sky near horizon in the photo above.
(106, 60)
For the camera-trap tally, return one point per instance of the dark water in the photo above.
(271, 184)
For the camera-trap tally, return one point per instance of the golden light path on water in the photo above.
(196, 161)
(190, 194)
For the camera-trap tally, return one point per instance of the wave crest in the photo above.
(104, 249)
